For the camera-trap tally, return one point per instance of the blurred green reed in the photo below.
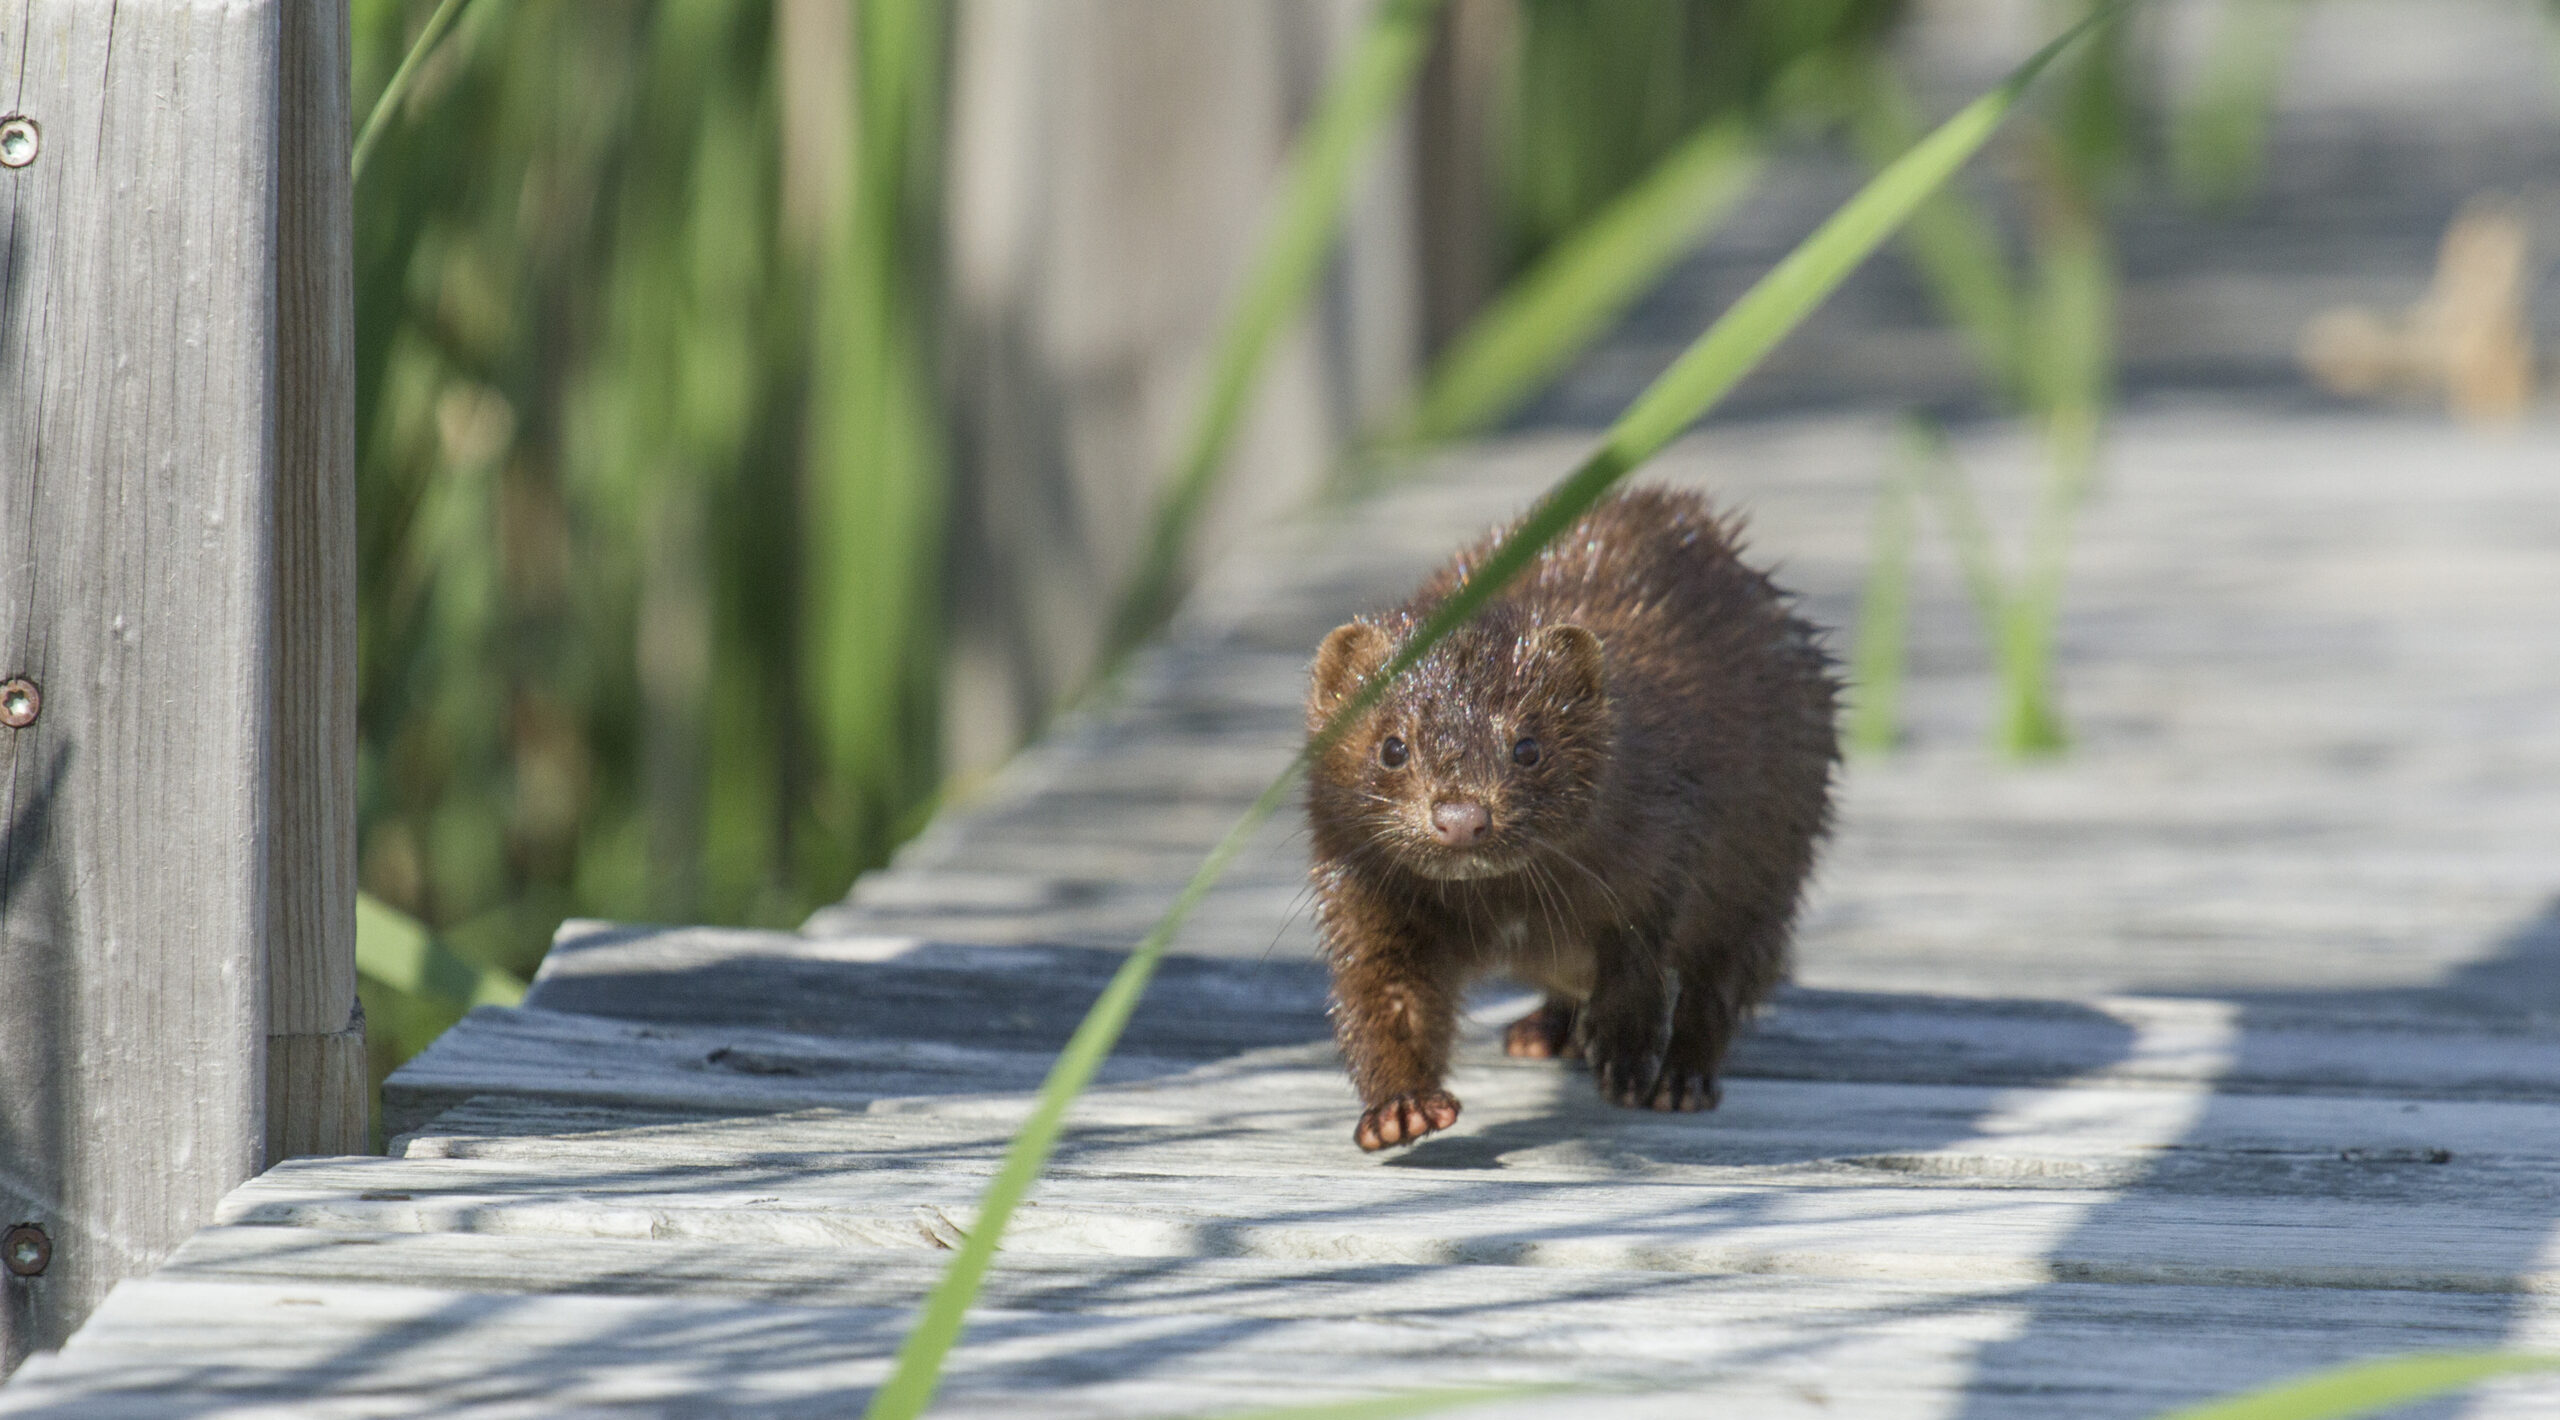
(1881, 647)
(1366, 90)
(649, 482)
(1569, 296)
(1615, 173)
(1632, 132)
(2216, 137)
(2044, 336)
(2045, 340)
(1602, 91)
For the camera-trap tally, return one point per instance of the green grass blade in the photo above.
(2217, 140)
(1356, 103)
(398, 951)
(1884, 616)
(877, 485)
(2369, 1386)
(1968, 531)
(1773, 307)
(919, 1370)
(397, 90)
(1712, 366)
(1950, 239)
(2075, 344)
(1583, 284)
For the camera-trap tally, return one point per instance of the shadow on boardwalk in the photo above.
(2515, 987)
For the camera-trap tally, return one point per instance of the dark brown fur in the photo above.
(1643, 871)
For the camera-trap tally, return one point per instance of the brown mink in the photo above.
(1607, 784)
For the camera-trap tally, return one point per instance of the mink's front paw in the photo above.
(1405, 1118)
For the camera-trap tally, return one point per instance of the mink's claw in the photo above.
(1405, 1118)
(1686, 1092)
(1628, 1079)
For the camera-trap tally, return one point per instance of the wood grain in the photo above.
(1076, 1338)
(316, 1072)
(172, 468)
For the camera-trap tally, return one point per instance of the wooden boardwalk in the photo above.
(2227, 1047)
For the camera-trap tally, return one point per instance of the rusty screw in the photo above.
(20, 140)
(20, 703)
(27, 1250)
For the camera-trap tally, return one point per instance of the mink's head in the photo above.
(1489, 749)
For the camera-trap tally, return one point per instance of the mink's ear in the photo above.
(1349, 656)
(1573, 658)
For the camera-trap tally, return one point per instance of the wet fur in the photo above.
(1644, 872)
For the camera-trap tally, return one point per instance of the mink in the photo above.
(1609, 784)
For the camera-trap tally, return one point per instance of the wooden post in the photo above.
(1111, 168)
(176, 585)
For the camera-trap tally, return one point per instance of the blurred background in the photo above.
(772, 412)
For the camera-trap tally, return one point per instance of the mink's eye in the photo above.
(1525, 753)
(1391, 752)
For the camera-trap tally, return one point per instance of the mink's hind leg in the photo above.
(1546, 1033)
(1730, 966)
(1626, 1027)
(1659, 1048)
(1701, 1028)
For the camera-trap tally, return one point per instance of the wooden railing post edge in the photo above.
(316, 1094)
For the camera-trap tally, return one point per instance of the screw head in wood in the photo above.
(20, 703)
(20, 140)
(26, 1250)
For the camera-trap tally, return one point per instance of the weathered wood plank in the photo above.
(2130, 1182)
(1273, 1117)
(171, 471)
(2014, 1236)
(1097, 1339)
(888, 989)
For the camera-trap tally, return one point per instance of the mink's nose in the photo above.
(1460, 824)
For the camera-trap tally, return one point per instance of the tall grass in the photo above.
(2219, 133)
(1366, 90)
(1633, 132)
(1703, 374)
(1882, 644)
(1603, 91)
(1592, 150)
(649, 481)
(1587, 280)
(2045, 340)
